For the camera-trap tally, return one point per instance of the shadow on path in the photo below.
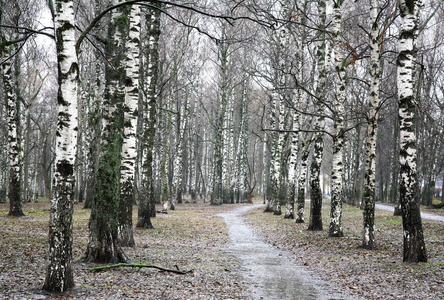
(271, 273)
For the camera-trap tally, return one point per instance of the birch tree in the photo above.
(103, 246)
(146, 201)
(315, 219)
(241, 155)
(14, 145)
(59, 273)
(414, 249)
(130, 113)
(368, 238)
(217, 196)
(335, 229)
(9, 69)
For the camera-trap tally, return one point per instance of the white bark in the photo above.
(182, 123)
(14, 146)
(368, 238)
(414, 245)
(59, 275)
(130, 112)
(227, 152)
(338, 140)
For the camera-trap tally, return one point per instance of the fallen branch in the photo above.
(101, 268)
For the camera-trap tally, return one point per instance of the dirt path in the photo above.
(423, 215)
(272, 273)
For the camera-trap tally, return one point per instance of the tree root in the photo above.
(101, 268)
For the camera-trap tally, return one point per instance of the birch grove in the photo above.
(139, 107)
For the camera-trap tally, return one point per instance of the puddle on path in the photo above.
(272, 273)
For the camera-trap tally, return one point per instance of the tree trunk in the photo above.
(217, 197)
(301, 182)
(129, 151)
(315, 220)
(368, 199)
(103, 245)
(59, 274)
(335, 229)
(146, 201)
(414, 245)
(13, 111)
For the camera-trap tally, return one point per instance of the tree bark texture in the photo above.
(130, 113)
(103, 245)
(217, 196)
(414, 246)
(301, 182)
(315, 219)
(14, 157)
(368, 236)
(146, 201)
(335, 229)
(59, 274)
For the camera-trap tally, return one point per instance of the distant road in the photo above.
(423, 215)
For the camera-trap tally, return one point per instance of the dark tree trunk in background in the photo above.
(146, 200)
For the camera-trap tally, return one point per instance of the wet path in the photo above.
(423, 215)
(272, 273)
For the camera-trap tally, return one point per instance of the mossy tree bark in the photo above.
(103, 245)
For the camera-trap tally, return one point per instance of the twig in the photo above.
(102, 268)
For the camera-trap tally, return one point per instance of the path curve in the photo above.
(272, 273)
(423, 215)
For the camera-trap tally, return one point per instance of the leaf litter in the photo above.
(194, 238)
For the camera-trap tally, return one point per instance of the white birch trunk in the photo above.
(130, 112)
(301, 182)
(227, 153)
(241, 155)
(368, 236)
(14, 152)
(182, 122)
(294, 144)
(335, 229)
(59, 274)
(279, 157)
(414, 245)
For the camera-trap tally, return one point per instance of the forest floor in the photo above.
(194, 237)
